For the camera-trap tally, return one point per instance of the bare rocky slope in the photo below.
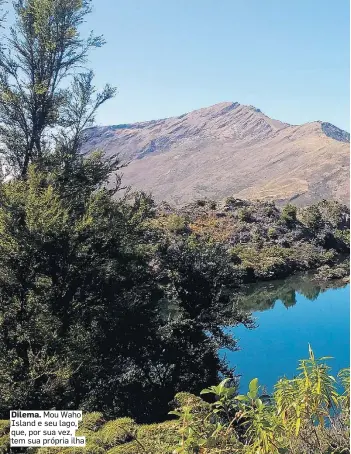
(229, 150)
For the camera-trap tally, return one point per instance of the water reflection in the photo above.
(264, 295)
(181, 349)
(289, 315)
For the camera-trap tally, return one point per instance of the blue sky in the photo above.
(290, 58)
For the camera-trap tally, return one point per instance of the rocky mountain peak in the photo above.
(229, 149)
(334, 132)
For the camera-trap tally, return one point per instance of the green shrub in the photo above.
(116, 432)
(288, 213)
(4, 427)
(153, 438)
(291, 421)
(343, 235)
(272, 232)
(334, 213)
(233, 202)
(256, 237)
(4, 437)
(312, 218)
(326, 272)
(129, 448)
(175, 223)
(159, 438)
(244, 215)
(90, 448)
(4, 444)
(270, 210)
(261, 259)
(184, 398)
(230, 200)
(91, 421)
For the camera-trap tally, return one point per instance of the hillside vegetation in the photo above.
(263, 241)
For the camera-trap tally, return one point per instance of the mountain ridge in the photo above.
(229, 149)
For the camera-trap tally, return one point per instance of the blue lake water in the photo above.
(273, 349)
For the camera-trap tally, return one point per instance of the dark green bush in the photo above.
(288, 213)
(244, 214)
(312, 218)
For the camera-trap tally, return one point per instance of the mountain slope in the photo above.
(230, 150)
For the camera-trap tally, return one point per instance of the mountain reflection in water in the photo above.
(289, 315)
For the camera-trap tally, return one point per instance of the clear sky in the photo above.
(290, 58)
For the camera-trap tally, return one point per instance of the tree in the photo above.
(288, 214)
(86, 285)
(86, 298)
(41, 89)
(72, 282)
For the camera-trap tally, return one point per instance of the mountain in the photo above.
(229, 149)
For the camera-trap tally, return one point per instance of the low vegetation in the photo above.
(264, 242)
(308, 414)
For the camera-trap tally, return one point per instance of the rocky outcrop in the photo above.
(265, 242)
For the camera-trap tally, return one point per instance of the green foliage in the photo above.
(86, 296)
(304, 415)
(157, 438)
(229, 200)
(175, 223)
(184, 399)
(4, 444)
(130, 448)
(343, 235)
(91, 421)
(42, 86)
(4, 427)
(312, 218)
(293, 420)
(233, 202)
(122, 436)
(270, 210)
(333, 213)
(244, 214)
(339, 271)
(288, 213)
(88, 286)
(275, 261)
(263, 260)
(272, 233)
(116, 432)
(4, 437)
(49, 249)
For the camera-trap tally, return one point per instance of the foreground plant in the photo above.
(307, 414)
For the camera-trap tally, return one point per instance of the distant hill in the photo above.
(230, 150)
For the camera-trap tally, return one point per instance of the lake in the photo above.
(289, 315)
